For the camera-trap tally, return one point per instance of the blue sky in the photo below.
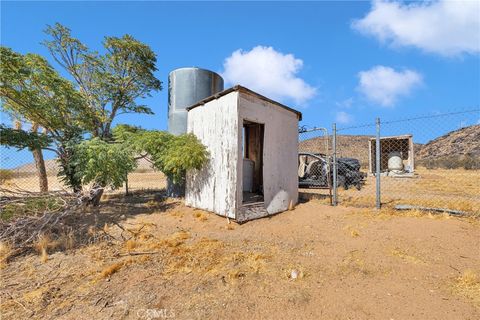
(334, 61)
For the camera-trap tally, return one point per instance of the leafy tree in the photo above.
(31, 140)
(182, 153)
(111, 83)
(32, 91)
(103, 164)
(21, 139)
(173, 155)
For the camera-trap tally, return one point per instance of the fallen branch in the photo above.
(36, 214)
(441, 210)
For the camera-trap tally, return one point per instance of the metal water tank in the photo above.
(187, 86)
(395, 162)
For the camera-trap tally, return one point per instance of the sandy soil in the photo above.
(314, 262)
(136, 181)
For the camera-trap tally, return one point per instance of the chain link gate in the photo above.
(429, 163)
(432, 163)
(315, 164)
(352, 184)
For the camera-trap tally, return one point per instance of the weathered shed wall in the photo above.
(213, 188)
(280, 151)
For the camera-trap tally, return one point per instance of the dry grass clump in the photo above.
(468, 285)
(114, 268)
(202, 255)
(207, 257)
(130, 244)
(388, 212)
(354, 263)
(6, 251)
(406, 256)
(43, 244)
(200, 216)
(249, 262)
(353, 232)
(177, 213)
(67, 240)
(141, 229)
(108, 271)
(172, 241)
(35, 295)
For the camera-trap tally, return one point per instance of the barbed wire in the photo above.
(419, 117)
(432, 116)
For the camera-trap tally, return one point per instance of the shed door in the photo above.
(253, 135)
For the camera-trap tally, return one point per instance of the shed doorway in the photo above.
(252, 140)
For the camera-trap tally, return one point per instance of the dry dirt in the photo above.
(456, 189)
(314, 262)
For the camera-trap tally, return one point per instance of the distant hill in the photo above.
(464, 141)
(458, 143)
(355, 146)
(52, 167)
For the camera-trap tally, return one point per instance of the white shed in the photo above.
(253, 162)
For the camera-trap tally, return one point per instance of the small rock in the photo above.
(294, 274)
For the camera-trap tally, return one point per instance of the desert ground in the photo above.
(456, 189)
(153, 258)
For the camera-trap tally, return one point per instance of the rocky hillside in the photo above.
(464, 141)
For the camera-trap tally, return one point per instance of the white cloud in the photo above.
(343, 118)
(269, 72)
(384, 85)
(444, 27)
(346, 103)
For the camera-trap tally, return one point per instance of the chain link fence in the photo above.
(315, 164)
(19, 172)
(428, 163)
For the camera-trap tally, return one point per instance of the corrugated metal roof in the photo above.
(247, 91)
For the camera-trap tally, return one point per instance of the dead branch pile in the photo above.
(32, 221)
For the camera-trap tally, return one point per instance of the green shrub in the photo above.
(30, 207)
(102, 163)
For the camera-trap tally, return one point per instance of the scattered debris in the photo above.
(441, 210)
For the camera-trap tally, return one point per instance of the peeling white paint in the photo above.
(218, 124)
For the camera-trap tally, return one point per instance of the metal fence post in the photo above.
(334, 151)
(377, 163)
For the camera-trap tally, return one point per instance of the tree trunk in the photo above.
(40, 165)
(41, 170)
